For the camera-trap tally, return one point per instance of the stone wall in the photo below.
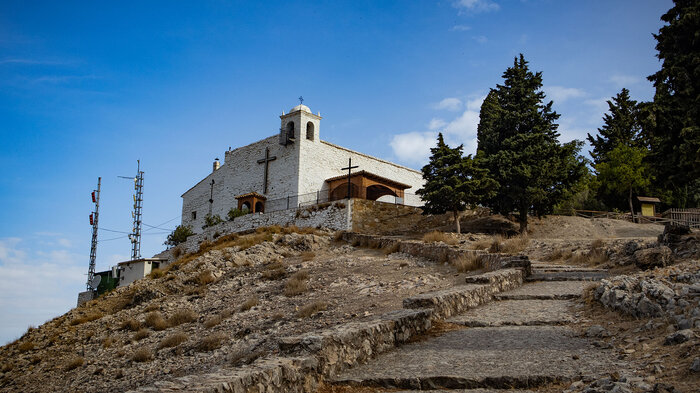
(334, 216)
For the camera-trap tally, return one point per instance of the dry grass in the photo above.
(156, 273)
(177, 252)
(311, 309)
(141, 334)
(511, 245)
(205, 277)
(245, 356)
(213, 321)
(6, 367)
(155, 321)
(152, 307)
(275, 271)
(296, 285)
(173, 340)
(108, 342)
(437, 236)
(481, 244)
(391, 248)
(26, 346)
(210, 342)
(86, 318)
(130, 324)
(338, 236)
(74, 363)
(142, 355)
(308, 256)
(467, 262)
(248, 304)
(182, 316)
(559, 255)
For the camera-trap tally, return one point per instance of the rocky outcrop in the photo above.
(653, 257)
(674, 292)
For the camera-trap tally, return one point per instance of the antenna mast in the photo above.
(135, 235)
(94, 216)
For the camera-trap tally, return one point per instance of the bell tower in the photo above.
(299, 126)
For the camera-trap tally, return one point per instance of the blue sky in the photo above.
(87, 88)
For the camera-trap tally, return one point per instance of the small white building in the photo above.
(292, 169)
(137, 269)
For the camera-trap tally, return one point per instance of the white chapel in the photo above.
(292, 169)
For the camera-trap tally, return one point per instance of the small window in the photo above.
(194, 215)
(310, 131)
(290, 130)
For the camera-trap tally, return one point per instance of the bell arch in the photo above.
(310, 131)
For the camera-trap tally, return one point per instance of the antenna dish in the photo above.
(95, 281)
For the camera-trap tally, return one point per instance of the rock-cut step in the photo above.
(518, 313)
(567, 276)
(556, 290)
(512, 357)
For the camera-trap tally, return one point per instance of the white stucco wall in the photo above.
(299, 168)
(134, 271)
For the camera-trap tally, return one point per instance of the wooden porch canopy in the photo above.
(364, 185)
(254, 202)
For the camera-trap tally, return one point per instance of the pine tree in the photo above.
(453, 182)
(623, 171)
(673, 119)
(621, 126)
(518, 144)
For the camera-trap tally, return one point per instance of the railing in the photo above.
(685, 217)
(323, 196)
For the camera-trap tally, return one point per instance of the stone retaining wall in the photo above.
(440, 252)
(449, 302)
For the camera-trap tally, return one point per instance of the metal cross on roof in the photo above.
(349, 168)
(301, 100)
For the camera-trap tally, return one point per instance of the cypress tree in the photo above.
(621, 126)
(453, 182)
(518, 144)
(673, 119)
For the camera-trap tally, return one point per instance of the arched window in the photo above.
(246, 207)
(310, 131)
(290, 130)
(259, 207)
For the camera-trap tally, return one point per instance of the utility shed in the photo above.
(137, 269)
(648, 205)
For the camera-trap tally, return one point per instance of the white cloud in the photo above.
(460, 28)
(623, 80)
(559, 94)
(480, 39)
(413, 147)
(450, 104)
(36, 285)
(598, 104)
(476, 6)
(436, 123)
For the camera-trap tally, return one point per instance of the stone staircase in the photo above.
(524, 339)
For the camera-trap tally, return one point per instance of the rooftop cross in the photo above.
(301, 100)
(349, 169)
(266, 161)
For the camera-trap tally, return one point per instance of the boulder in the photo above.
(679, 337)
(653, 257)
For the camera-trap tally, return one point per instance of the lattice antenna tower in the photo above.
(138, 205)
(94, 217)
(135, 235)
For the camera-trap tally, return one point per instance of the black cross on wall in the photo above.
(349, 169)
(266, 161)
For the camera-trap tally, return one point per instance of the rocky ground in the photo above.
(225, 307)
(636, 329)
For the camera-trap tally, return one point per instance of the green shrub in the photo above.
(179, 235)
(233, 213)
(210, 220)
